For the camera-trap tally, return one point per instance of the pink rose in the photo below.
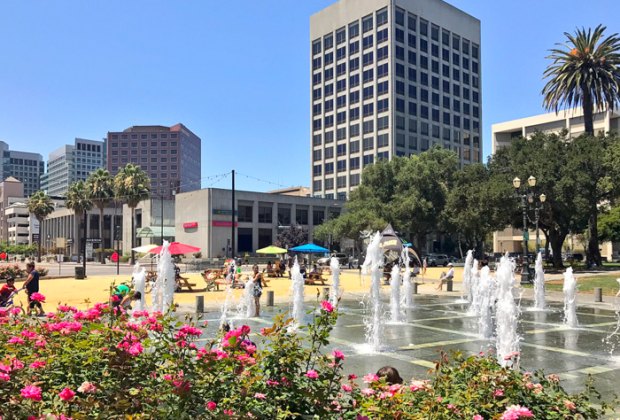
(312, 374)
(478, 417)
(37, 297)
(4, 377)
(570, 405)
(211, 405)
(370, 378)
(346, 387)
(16, 340)
(368, 391)
(498, 393)
(338, 355)
(260, 396)
(327, 307)
(136, 349)
(31, 392)
(87, 388)
(516, 412)
(66, 394)
(37, 364)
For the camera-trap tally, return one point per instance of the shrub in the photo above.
(104, 364)
(11, 270)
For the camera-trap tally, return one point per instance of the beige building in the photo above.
(11, 192)
(204, 218)
(390, 78)
(571, 120)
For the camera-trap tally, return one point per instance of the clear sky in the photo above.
(235, 73)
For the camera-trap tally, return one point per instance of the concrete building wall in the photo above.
(203, 218)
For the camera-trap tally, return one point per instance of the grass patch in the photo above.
(586, 284)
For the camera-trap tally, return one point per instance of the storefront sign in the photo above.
(190, 225)
(222, 223)
(226, 212)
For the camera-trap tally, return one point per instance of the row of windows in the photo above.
(447, 38)
(143, 144)
(144, 136)
(284, 217)
(462, 90)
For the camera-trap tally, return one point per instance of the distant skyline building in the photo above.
(71, 163)
(391, 78)
(27, 167)
(169, 155)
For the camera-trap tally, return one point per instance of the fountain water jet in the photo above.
(474, 287)
(487, 288)
(570, 305)
(334, 293)
(507, 316)
(395, 294)
(612, 338)
(228, 299)
(373, 264)
(466, 295)
(139, 280)
(163, 290)
(247, 305)
(539, 284)
(407, 299)
(298, 294)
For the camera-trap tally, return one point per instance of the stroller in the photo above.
(9, 303)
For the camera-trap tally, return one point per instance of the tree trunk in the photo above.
(588, 111)
(40, 224)
(102, 259)
(133, 236)
(556, 240)
(84, 244)
(593, 255)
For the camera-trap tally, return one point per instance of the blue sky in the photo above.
(237, 74)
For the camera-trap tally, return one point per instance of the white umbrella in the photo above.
(144, 248)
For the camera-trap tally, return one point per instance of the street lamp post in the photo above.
(527, 197)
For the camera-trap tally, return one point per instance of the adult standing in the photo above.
(32, 286)
(258, 289)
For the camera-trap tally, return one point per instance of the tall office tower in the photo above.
(25, 166)
(390, 78)
(70, 163)
(169, 155)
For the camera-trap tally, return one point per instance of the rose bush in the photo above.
(99, 363)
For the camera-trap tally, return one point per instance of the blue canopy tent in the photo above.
(309, 249)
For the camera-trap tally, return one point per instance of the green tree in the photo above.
(609, 225)
(41, 206)
(291, 236)
(476, 206)
(350, 224)
(421, 193)
(132, 185)
(585, 72)
(101, 191)
(78, 200)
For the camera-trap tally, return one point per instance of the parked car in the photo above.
(434, 260)
(343, 259)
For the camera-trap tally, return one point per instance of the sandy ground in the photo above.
(84, 293)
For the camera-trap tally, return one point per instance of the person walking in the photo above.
(32, 286)
(258, 289)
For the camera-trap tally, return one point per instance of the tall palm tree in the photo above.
(132, 185)
(586, 73)
(79, 201)
(101, 190)
(41, 206)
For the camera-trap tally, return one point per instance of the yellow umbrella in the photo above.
(271, 249)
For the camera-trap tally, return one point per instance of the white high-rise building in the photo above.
(70, 163)
(390, 78)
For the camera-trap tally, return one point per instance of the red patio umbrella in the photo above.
(176, 248)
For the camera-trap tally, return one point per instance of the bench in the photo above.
(314, 279)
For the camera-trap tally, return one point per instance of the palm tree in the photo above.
(101, 190)
(586, 73)
(41, 206)
(79, 201)
(132, 185)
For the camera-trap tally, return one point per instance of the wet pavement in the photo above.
(440, 323)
